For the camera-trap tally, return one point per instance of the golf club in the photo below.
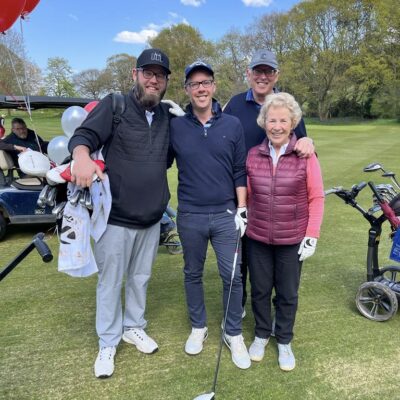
(388, 174)
(211, 395)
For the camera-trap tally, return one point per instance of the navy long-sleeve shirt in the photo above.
(211, 161)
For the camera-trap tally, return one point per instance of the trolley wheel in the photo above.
(173, 243)
(376, 301)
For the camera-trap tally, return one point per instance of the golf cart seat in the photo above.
(7, 168)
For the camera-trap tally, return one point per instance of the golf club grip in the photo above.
(42, 248)
(376, 193)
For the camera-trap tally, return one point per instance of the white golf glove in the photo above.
(175, 109)
(307, 247)
(241, 220)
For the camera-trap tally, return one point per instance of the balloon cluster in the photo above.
(71, 119)
(12, 9)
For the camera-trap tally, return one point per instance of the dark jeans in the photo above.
(195, 231)
(274, 267)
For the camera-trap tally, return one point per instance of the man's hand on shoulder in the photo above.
(304, 147)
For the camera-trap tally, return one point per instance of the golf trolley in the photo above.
(377, 299)
(38, 243)
(169, 237)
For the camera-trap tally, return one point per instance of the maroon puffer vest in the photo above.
(278, 204)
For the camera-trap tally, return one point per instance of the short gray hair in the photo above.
(280, 100)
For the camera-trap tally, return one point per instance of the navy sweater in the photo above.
(247, 111)
(211, 161)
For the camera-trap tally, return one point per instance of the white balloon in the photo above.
(72, 118)
(57, 149)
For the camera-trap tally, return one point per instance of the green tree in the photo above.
(118, 72)
(183, 45)
(18, 75)
(91, 83)
(58, 81)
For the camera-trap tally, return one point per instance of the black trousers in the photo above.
(274, 267)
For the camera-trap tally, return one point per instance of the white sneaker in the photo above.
(194, 344)
(257, 349)
(240, 355)
(286, 359)
(139, 338)
(104, 365)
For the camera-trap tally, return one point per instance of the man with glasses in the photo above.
(135, 151)
(262, 76)
(210, 154)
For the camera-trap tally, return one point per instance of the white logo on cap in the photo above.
(197, 63)
(156, 57)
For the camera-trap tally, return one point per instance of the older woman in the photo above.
(285, 209)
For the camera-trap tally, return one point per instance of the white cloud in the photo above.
(135, 37)
(256, 3)
(149, 31)
(74, 17)
(194, 3)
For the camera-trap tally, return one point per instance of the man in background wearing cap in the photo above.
(210, 154)
(262, 76)
(136, 160)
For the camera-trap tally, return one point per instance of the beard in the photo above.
(147, 101)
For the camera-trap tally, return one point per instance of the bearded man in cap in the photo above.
(262, 76)
(136, 160)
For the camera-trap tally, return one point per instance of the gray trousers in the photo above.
(123, 252)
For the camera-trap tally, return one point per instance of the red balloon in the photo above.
(89, 106)
(10, 11)
(29, 6)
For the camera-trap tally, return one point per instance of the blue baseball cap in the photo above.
(198, 65)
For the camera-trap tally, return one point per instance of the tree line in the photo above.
(338, 58)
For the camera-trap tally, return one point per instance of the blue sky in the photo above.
(86, 32)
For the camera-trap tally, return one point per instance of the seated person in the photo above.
(20, 139)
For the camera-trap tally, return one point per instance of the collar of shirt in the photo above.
(275, 156)
(149, 116)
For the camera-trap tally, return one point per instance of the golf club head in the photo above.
(44, 193)
(75, 197)
(205, 396)
(373, 167)
(88, 201)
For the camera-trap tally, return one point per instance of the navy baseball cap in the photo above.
(153, 57)
(198, 65)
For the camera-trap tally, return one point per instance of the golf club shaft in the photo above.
(226, 310)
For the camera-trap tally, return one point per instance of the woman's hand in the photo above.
(307, 247)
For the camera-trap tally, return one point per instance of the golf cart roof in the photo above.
(37, 102)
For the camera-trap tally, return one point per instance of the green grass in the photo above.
(48, 342)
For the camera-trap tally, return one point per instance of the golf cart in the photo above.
(19, 196)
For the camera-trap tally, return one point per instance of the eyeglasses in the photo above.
(148, 74)
(267, 72)
(195, 85)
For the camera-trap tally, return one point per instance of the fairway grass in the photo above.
(48, 342)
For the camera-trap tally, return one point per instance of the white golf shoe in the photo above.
(194, 344)
(257, 349)
(286, 359)
(141, 340)
(240, 355)
(104, 365)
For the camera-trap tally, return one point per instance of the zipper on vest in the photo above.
(150, 138)
(205, 129)
(272, 199)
